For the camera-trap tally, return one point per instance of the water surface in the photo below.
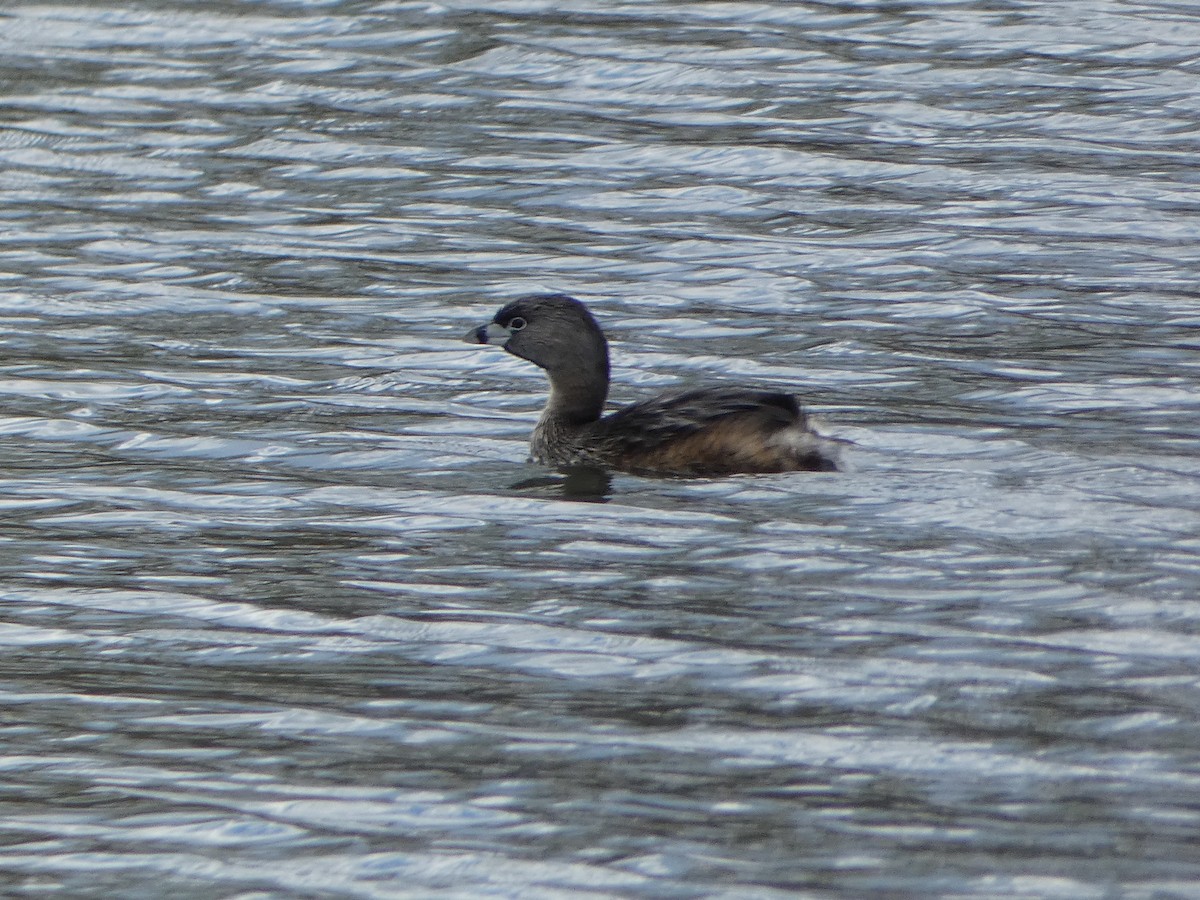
(286, 612)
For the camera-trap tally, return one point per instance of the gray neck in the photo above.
(577, 397)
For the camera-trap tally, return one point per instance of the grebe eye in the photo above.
(516, 324)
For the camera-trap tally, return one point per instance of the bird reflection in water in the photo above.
(587, 484)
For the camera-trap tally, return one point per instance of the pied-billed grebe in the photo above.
(712, 431)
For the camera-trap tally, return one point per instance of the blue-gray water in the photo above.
(285, 612)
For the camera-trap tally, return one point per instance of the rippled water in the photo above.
(285, 611)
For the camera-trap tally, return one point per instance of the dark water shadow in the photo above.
(587, 484)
